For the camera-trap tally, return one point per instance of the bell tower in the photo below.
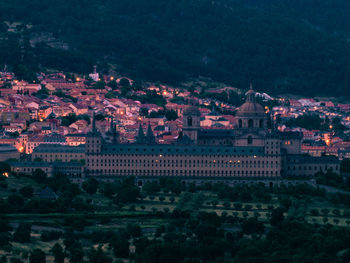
(94, 139)
(191, 123)
(251, 115)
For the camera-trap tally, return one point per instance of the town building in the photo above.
(249, 150)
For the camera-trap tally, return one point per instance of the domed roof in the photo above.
(250, 108)
(192, 111)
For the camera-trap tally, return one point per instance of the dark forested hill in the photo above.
(295, 46)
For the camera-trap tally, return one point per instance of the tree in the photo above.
(171, 115)
(277, 216)
(113, 84)
(69, 119)
(4, 168)
(314, 212)
(25, 72)
(124, 83)
(110, 95)
(325, 211)
(127, 191)
(16, 200)
(336, 212)
(100, 117)
(15, 260)
(76, 253)
(121, 247)
(90, 186)
(4, 226)
(58, 253)
(4, 239)
(151, 187)
(50, 235)
(26, 191)
(37, 256)
(22, 233)
(227, 205)
(39, 175)
(143, 112)
(99, 85)
(252, 225)
(237, 206)
(108, 190)
(134, 230)
(98, 256)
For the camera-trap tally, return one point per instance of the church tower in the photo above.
(93, 139)
(251, 114)
(191, 123)
(251, 122)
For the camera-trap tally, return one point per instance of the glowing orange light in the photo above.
(164, 92)
(6, 174)
(111, 78)
(77, 79)
(331, 126)
(21, 149)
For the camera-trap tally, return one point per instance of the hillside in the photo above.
(298, 47)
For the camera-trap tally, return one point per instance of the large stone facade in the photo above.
(251, 149)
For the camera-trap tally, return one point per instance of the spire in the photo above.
(140, 138)
(250, 94)
(112, 125)
(115, 134)
(93, 123)
(150, 136)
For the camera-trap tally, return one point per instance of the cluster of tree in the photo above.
(151, 97)
(61, 94)
(124, 191)
(24, 201)
(307, 121)
(345, 166)
(72, 117)
(170, 115)
(194, 237)
(332, 179)
(42, 93)
(255, 45)
(231, 97)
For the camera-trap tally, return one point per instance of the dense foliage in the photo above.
(280, 45)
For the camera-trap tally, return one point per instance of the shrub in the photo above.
(314, 212)
(26, 191)
(22, 233)
(50, 235)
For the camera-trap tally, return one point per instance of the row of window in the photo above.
(59, 156)
(310, 168)
(185, 166)
(183, 172)
(165, 161)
